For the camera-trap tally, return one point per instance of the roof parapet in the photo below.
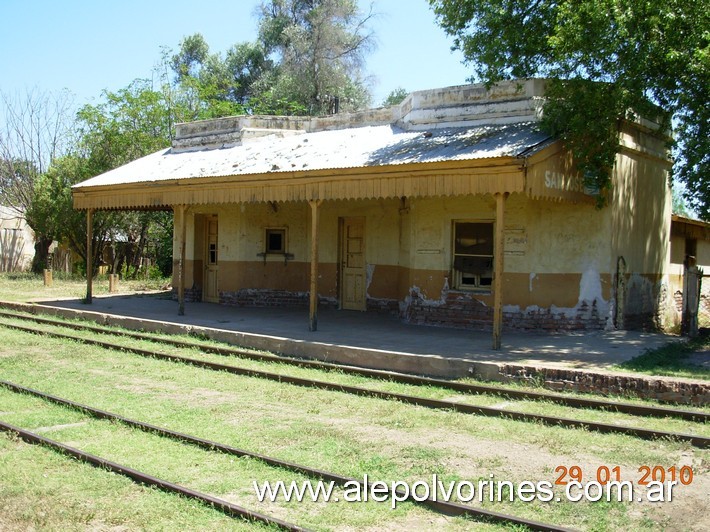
(506, 102)
(234, 130)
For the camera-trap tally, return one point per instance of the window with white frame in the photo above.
(472, 255)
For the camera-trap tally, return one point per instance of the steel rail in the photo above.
(574, 402)
(646, 434)
(139, 477)
(447, 508)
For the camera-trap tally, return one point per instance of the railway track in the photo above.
(443, 507)
(140, 477)
(467, 388)
(695, 440)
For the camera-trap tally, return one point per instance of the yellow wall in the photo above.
(241, 240)
(641, 215)
(409, 246)
(557, 254)
(560, 256)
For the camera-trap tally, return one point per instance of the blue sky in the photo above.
(87, 46)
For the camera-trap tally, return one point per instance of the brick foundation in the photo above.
(657, 388)
(458, 310)
(250, 297)
(462, 310)
(191, 294)
(388, 306)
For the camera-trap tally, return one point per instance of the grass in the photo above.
(329, 430)
(673, 359)
(26, 286)
(43, 490)
(430, 392)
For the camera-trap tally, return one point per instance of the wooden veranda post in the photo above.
(313, 310)
(498, 269)
(89, 254)
(181, 213)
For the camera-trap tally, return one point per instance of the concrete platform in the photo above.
(581, 361)
(380, 332)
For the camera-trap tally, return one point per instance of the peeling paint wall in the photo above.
(557, 264)
(244, 268)
(560, 257)
(640, 233)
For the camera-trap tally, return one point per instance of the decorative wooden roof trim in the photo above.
(448, 178)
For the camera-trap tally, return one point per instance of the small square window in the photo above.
(275, 241)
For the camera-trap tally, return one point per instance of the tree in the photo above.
(52, 209)
(37, 130)
(204, 81)
(320, 46)
(678, 204)
(605, 58)
(128, 124)
(395, 97)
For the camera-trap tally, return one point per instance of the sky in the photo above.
(87, 46)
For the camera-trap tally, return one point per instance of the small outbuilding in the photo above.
(16, 241)
(689, 264)
(452, 208)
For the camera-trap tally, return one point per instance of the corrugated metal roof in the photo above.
(347, 148)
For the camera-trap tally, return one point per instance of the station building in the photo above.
(449, 209)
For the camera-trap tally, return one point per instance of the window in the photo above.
(473, 255)
(691, 247)
(212, 242)
(275, 241)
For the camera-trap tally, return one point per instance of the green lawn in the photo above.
(23, 287)
(677, 359)
(328, 430)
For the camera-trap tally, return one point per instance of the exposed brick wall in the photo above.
(584, 317)
(463, 310)
(703, 309)
(389, 306)
(661, 389)
(459, 310)
(263, 298)
(252, 297)
(191, 294)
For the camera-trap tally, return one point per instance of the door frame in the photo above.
(342, 226)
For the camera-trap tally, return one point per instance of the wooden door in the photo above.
(211, 291)
(352, 264)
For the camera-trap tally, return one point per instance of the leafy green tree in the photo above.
(319, 46)
(251, 71)
(605, 57)
(52, 210)
(213, 86)
(679, 206)
(126, 125)
(395, 97)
